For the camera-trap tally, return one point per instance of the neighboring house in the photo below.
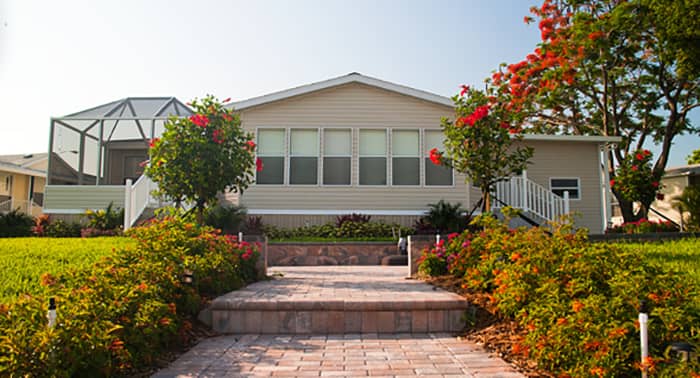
(22, 181)
(673, 183)
(348, 144)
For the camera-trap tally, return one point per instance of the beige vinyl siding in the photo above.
(351, 106)
(72, 198)
(560, 159)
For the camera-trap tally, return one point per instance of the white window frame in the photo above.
(424, 154)
(386, 156)
(285, 158)
(319, 163)
(390, 161)
(322, 152)
(578, 183)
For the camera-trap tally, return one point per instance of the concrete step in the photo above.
(338, 300)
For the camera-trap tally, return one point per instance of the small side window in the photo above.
(561, 185)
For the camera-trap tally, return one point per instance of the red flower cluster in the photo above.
(435, 156)
(251, 144)
(200, 120)
(217, 137)
(479, 113)
(641, 155)
(465, 89)
(258, 164)
(153, 142)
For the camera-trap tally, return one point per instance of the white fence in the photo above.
(521, 193)
(137, 198)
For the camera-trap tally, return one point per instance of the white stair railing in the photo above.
(521, 193)
(137, 198)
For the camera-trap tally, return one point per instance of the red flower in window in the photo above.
(435, 156)
(200, 120)
(258, 164)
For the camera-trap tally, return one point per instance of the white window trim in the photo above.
(578, 181)
(284, 156)
(387, 137)
(319, 162)
(323, 155)
(424, 163)
(391, 159)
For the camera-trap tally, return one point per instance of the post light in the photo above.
(188, 277)
(643, 337)
(51, 315)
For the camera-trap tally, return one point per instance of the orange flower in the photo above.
(116, 345)
(515, 257)
(598, 371)
(561, 321)
(142, 287)
(47, 279)
(577, 306)
(164, 321)
(617, 332)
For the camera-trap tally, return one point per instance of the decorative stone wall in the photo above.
(309, 254)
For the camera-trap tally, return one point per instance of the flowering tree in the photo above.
(613, 68)
(635, 180)
(202, 155)
(479, 142)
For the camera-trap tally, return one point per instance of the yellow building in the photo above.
(22, 182)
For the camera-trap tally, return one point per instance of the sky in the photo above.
(60, 57)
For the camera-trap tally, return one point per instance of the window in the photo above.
(271, 152)
(561, 185)
(337, 154)
(435, 175)
(372, 157)
(405, 160)
(303, 157)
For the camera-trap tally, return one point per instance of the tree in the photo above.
(694, 157)
(634, 180)
(202, 155)
(479, 142)
(608, 67)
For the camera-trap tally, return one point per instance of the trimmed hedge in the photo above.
(576, 302)
(120, 314)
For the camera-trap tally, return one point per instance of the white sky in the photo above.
(60, 57)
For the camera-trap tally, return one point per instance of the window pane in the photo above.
(336, 142)
(434, 139)
(271, 142)
(372, 171)
(336, 171)
(573, 193)
(405, 171)
(273, 171)
(404, 143)
(372, 142)
(437, 174)
(304, 143)
(303, 170)
(564, 183)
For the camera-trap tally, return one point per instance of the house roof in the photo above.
(574, 138)
(353, 77)
(21, 164)
(686, 170)
(133, 108)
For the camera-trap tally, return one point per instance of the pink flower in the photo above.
(258, 164)
(452, 235)
(200, 120)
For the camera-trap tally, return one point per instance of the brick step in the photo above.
(250, 316)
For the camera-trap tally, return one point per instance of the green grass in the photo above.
(680, 255)
(24, 260)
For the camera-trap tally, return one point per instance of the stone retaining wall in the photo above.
(309, 254)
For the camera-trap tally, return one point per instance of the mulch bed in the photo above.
(495, 334)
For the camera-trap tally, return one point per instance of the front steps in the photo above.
(338, 300)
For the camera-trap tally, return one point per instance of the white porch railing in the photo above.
(137, 198)
(26, 207)
(521, 193)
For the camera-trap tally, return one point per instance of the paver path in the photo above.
(343, 355)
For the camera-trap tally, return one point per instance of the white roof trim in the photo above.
(573, 138)
(349, 78)
(334, 212)
(12, 168)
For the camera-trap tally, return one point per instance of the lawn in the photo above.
(24, 260)
(681, 255)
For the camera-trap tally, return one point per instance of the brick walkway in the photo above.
(314, 354)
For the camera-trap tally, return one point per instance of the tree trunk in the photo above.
(486, 195)
(627, 209)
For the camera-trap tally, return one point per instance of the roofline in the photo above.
(574, 138)
(117, 103)
(685, 170)
(353, 77)
(12, 168)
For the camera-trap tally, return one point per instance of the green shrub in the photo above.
(62, 229)
(15, 223)
(228, 219)
(121, 313)
(347, 230)
(354, 217)
(443, 217)
(576, 301)
(107, 219)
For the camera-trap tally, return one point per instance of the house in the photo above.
(349, 144)
(22, 181)
(674, 181)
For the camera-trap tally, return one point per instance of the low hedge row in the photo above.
(346, 229)
(576, 302)
(120, 314)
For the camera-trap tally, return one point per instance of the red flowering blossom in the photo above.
(227, 117)
(227, 100)
(258, 165)
(655, 184)
(153, 142)
(634, 168)
(216, 136)
(200, 120)
(660, 196)
(435, 156)
(251, 144)
(646, 152)
(612, 183)
(505, 125)
(596, 35)
(465, 89)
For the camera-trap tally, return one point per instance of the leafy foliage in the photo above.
(107, 219)
(479, 142)
(228, 219)
(15, 224)
(347, 230)
(202, 155)
(635, 181)
(694, 157)
(122, 312)
(357, 218)
(576, 302)
(444, 217)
